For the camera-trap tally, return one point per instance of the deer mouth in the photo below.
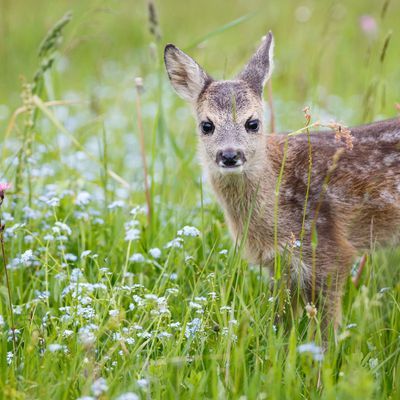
(231, 169)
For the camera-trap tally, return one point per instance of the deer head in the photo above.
(229, 112)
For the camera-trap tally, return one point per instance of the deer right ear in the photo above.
(259, 68)
(186, 76)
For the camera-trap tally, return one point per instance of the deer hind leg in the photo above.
(331, 304)
(332, 272)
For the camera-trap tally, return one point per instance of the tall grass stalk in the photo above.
(139, 88)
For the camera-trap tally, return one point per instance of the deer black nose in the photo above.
(230, 158)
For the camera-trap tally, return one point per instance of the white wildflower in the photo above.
(17, 310)
(11, 231)
(189, 231)
(54, 347)
(213, 295)
(85, 253)
(7, 217)
(28, 239)
(53, 202)
(85, 300)
(155, 252)
(143, 383)
(173, 276)
(70, 257)
(164, 335)
(10, 356)
(42, 295)
(137, 257)
(26, 256)
(144, 335)
(192, 328)
(316, 351)
(48, 238)
(76, 274)
(132, 234)
(138, 210)
(67, 333)
(194, 305)
(174, 243)
(373, 363)
(116, 204)
(61, 227)
(86, 335)
(30, 214)
(113, 313)
(83, 198)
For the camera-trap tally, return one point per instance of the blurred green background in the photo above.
(326, 51)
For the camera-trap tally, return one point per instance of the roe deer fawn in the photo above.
(349, 197)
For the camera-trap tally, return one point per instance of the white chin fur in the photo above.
(231, 171)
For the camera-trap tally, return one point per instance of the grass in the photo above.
(106, 303)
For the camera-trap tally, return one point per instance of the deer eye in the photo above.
(252, 125)
(207, 127)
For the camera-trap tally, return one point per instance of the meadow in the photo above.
(120, 282)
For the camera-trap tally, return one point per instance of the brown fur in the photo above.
(354, 194)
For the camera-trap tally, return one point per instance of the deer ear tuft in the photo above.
(186, 76)
(259, 68)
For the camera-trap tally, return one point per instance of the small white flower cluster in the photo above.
(155, 253)
(132, 233)
(186, 231)
(189, 231)
(99, 386)
(137, 258)
(83, 199)
(10, 357)
(193, 327)
(86, 334)
(176, 243)
(316, 352)
(116, 204)
(26, 259)
(55, 347)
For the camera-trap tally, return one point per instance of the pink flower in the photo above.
(4, 186)
(368, 25)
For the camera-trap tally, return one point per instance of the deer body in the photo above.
(348, 197)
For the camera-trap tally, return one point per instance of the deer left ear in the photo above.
(259, 68)
(186, 76)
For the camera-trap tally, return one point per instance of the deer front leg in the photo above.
(326, 292)
(332, 268)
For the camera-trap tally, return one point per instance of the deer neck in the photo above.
(248, 201)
